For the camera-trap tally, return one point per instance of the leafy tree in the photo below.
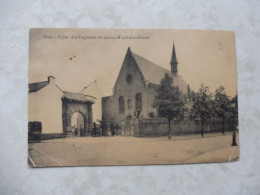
(169, 101)
(234, 109)
(222, 106)
(234, 101)
(202, 107)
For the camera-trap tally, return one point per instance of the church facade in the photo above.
(135, 88)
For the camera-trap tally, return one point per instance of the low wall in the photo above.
(159, 127)
(151, 127)
(46, 136)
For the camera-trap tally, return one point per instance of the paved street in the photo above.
(118, 150)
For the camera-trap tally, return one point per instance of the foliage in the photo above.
(205, 107)
(222, 104)
(223, 108)
(151, 114)
(202, 108)
(169, 100)
(234, 108)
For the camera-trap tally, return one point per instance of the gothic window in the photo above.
(129, 78)
(129, 103)
(121, 105)
(138, 102)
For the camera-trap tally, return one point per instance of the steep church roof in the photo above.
(154, 73)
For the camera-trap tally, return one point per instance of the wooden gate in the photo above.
(127, 127)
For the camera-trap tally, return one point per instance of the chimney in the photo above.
(51, 79)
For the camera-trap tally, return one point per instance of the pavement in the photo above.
(127, 150)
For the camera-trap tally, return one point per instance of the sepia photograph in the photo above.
(117, 97)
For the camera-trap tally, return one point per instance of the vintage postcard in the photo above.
(99, 97)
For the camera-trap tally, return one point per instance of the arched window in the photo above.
(121, 105)
(138, 102)
(129, 103)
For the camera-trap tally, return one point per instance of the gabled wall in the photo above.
(94, 90)
(129, 90)
(45, 106)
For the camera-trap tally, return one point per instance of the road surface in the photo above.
(119, 150)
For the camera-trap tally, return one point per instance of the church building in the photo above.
(135, 87)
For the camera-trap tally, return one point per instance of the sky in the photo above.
(77, 57)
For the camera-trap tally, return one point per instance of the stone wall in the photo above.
(106, 108)
(159, 127)
(69, 107)
(129, 89)
(47, 136)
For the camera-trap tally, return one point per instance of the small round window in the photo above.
(129, 78)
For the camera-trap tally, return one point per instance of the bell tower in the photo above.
(174, 62)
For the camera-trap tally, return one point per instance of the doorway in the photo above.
(77, 123)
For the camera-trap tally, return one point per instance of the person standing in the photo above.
(94, 129)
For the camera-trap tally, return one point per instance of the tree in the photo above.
(234, 105)
(222, 106)
(202, 106)
(169, 101)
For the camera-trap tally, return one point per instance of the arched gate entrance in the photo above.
(76, 114)
(77, 123)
